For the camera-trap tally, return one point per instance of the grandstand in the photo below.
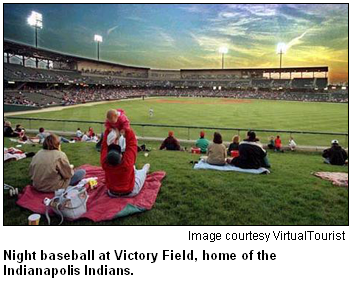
(38, 77)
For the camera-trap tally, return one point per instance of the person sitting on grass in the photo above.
(79, 133)
(216, 151)
(19, 129)
(271, 144)
(335, 155)
(42, 135)
(94, 138)
(170, 143)
(90, 132)
(8, 131)
(251, 154)
(202, 143)
(121, 177)
(292, 144)
(234, 145)
(21, 132)
(50, 168)
(85, 137)
(278, 144)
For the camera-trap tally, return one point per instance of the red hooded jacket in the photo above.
(120, 178)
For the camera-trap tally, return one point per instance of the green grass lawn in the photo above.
(256, 114)
(290, 195)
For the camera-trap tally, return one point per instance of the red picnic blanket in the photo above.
(100, 206)
(337, 178)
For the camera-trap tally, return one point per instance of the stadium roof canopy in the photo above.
(44, 54)
(272, 70)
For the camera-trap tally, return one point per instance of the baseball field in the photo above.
(289, 195)
(207, 112)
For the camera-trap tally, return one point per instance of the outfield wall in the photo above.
(18, 108)
(187, 133)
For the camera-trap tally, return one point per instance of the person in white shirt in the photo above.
(85, 137)
(79, 133)
(292, 144)
(115, 137)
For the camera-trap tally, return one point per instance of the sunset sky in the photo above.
(188, 36)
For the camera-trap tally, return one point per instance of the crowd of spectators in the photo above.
(140, 78)
(142, 74)
(79, 95)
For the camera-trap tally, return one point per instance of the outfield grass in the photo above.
(290, 195)
(253, 114)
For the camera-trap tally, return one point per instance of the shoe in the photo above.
(30, 154)
(146, 167)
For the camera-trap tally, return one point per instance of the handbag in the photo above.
(68, 203)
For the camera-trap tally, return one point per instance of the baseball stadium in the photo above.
(219, 116)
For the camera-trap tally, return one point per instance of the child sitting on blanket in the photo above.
(116, 119)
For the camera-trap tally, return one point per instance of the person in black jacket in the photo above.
(8, 131)
(252, 155)
(335, 155)
(171, 143)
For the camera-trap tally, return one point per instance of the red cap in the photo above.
(202, 134)
(171, 133)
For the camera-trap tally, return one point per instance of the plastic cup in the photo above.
(235, 153)
(34, 219)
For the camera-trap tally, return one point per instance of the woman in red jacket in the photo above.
(121, 177)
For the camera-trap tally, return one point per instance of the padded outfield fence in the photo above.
(306, 138)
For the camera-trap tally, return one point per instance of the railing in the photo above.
(71, 125)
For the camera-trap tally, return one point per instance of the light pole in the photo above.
(98, 39)
(223, 51)
(281, 49)
(35, 20)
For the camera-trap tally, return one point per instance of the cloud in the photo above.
(112, 29)
(194, 9)
(166, 37)
(135, 18)
(229, 30)
(163, 38)
(211, 44)
(263, 10)
(125, 51)
(296, 40)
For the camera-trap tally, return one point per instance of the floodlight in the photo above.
(281, 48)
(223, 50)
(35, 20)
(98, 38)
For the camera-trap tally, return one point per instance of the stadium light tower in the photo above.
(223, 50)
(98, 39)
(281, 49)
(36, 20)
